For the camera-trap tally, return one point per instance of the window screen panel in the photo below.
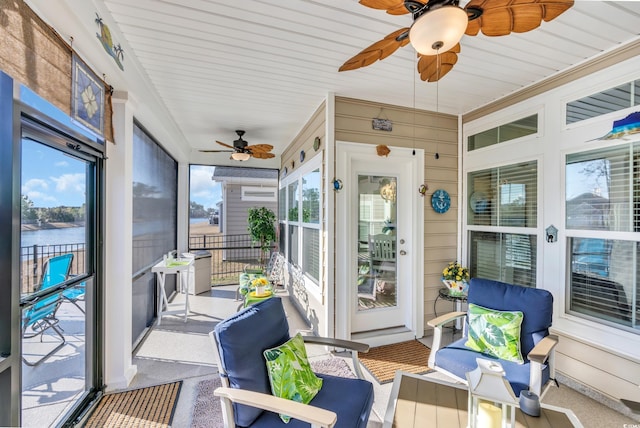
(155, 190)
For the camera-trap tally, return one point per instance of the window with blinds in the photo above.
(603, 196)
(506, 257)
(502, 197)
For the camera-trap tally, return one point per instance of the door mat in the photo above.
(207, 413)
(151, 407)
(383, 361)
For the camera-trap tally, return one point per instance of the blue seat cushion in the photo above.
(350, 399)
(242, 338)
(458, 360)
(535, 304)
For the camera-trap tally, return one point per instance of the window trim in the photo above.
(309, 166)
(537, 231)
(565, 234)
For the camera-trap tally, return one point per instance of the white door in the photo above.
(379, 238)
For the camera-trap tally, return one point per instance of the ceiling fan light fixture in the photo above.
(438, 30)
(240, 156)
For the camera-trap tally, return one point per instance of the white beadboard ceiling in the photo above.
(266, 65)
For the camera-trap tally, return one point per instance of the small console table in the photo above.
(180, 268)
(457, 299)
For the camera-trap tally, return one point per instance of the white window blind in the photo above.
(603, 196)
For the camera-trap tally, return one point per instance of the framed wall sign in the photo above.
(87, 104)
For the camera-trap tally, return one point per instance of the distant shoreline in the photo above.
(52, 225)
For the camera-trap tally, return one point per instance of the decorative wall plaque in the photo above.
(88, 97)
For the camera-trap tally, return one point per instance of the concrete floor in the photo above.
(178, 350)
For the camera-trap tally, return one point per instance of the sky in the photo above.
(203, 190)
(51, 178)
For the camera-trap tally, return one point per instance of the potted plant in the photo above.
(262, 230)
(455, 278)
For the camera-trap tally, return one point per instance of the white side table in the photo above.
(180, 268)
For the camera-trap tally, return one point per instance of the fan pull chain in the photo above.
(438, 64)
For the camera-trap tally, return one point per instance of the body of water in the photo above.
(198, 220)
(68, 235)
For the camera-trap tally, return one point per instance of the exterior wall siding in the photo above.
(434, 133)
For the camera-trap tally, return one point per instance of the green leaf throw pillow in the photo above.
(290, 374)
(495, 333)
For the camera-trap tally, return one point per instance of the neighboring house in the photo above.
(243, 188)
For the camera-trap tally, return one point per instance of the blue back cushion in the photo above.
(242, 338)
(536, 305)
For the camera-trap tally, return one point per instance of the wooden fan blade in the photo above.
(224, 144)
(428, 64)
(263, 155)
(500, 18)
(259, 148)
(217, 151)
(393, 7)
(377, 51)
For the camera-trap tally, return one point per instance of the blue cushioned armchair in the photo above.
(536, 344)
(246, 393)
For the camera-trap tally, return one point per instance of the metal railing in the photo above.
(33, 257)
(230, 254)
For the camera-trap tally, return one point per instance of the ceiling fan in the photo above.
(241, 151)
(438, 26)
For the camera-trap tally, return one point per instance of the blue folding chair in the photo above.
(41, 316)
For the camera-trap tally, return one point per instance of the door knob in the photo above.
(403, 253)
(402, 241)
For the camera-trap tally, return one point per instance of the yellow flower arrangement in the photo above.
(455, 272)
(260, 282)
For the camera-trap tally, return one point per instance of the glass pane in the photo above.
(293, 244)
(602, 279)
(604, 102)
(602, 189)
(56, 191)
(376, 269)
(282, 204)
(505, 196)
(507, 132)
(293, 201)
(504, 257)
(311, 253)
(311, 197)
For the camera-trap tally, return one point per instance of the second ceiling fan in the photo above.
(242, 151)
(438, 26)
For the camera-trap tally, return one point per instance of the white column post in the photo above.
(119, 370)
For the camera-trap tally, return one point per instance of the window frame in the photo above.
(583, 233)
(309, 166)
(534, 231)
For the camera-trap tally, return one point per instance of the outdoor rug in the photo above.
(150, 407)
(383, 361)
(207, 412)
